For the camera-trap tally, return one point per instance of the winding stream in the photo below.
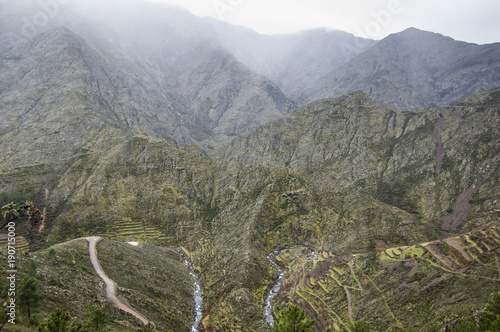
(268, 310)
(197, 295)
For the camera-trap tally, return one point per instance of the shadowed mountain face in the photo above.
(144, 121)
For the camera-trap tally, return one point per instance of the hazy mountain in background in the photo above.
(407, 70)
(184, 84)
(414, 69)
(293, 61)
(195, 79)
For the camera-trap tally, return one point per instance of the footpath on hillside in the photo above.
(110, 284)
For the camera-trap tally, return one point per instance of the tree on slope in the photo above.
(60, 321)
(28, 295)
(490, 319)
(292, 319)
(11, 213)
(95, 318)
(487, 321)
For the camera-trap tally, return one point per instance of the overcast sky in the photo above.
(472, 21)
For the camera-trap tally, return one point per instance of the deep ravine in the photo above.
(198, 299)
(268, 310)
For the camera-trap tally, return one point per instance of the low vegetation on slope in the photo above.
(152, 280)
(388, 287)
(341, 175)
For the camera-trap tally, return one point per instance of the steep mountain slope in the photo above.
(341, 174)
(415, 69)
(68, 280)
(68, 113)
(107, 121)
(58, 96)
(193, 71)
(344, 174)
(216, 95)
(188, 86)
(345, 142)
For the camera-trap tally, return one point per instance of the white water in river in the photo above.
(197, 296)
(268, 310)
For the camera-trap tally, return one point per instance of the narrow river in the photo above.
(268, 310)
(197, 295)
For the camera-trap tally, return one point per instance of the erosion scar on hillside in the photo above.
(440, 152)
(110, 284)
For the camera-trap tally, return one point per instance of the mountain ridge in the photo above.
(416, 69)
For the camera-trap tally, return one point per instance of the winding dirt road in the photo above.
(110, 284)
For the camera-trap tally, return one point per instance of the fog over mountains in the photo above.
(138, 121)
(224, 80)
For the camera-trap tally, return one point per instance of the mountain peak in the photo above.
(414, 30)
(417, 35)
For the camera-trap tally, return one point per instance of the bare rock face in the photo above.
(160, 83)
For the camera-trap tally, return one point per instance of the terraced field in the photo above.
(129, 230)
(122, 230)
(458, 274)
(21, 244)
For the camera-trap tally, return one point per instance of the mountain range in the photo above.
(141, 121)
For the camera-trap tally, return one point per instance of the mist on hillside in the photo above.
(160, 30)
